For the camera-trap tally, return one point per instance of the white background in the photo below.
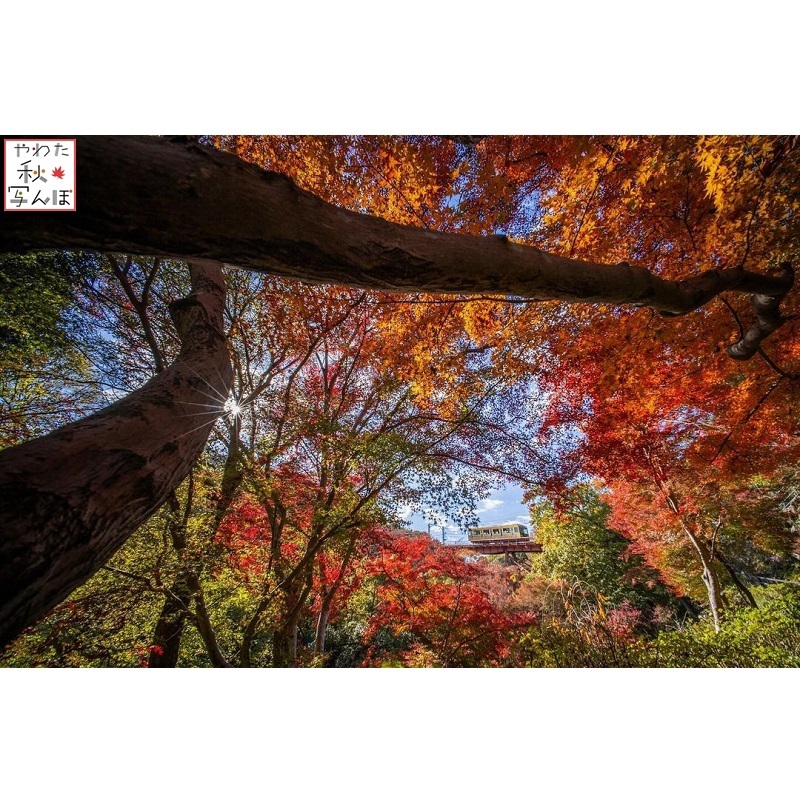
(580, 67)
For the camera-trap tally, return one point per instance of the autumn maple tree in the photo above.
(454, 611)
(334, 441)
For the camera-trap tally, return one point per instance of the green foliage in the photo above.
(768, 636)
(35, 293)
(42, 365)
(578, 546)
(107, 622)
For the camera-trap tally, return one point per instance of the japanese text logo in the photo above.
(39, 175)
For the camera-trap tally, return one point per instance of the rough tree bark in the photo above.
(177, 198)
(69, 500)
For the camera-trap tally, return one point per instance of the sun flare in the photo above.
(232, 407)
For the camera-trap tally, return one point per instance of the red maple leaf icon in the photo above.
(58, 172)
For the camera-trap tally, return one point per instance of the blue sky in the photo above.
(502, 505)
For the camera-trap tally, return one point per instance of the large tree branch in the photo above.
(69, 500)
(768, 320)
(177, 198)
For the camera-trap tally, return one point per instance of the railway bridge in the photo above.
(500, 548)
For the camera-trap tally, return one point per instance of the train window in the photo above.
(506, 530)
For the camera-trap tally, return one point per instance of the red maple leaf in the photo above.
(58, 172)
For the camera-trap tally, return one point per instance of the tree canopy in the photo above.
(373, 325)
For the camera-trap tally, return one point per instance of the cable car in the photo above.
(505, 532)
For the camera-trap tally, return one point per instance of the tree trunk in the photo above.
(328, 593)
(322, 625)
(232, 476)
(179, 199)
(166, 642)
(172, 620)
(250, 633)
(284, 638)
(284, 647)
(204, 623)
(185, 589)
(69, 500)
(689, 608)
(737, 582)
(709, 577)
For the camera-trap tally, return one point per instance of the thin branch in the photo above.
(792, 376)
(747, 417)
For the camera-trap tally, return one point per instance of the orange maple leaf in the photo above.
(58, 172)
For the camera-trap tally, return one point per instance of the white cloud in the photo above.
(489, 505)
